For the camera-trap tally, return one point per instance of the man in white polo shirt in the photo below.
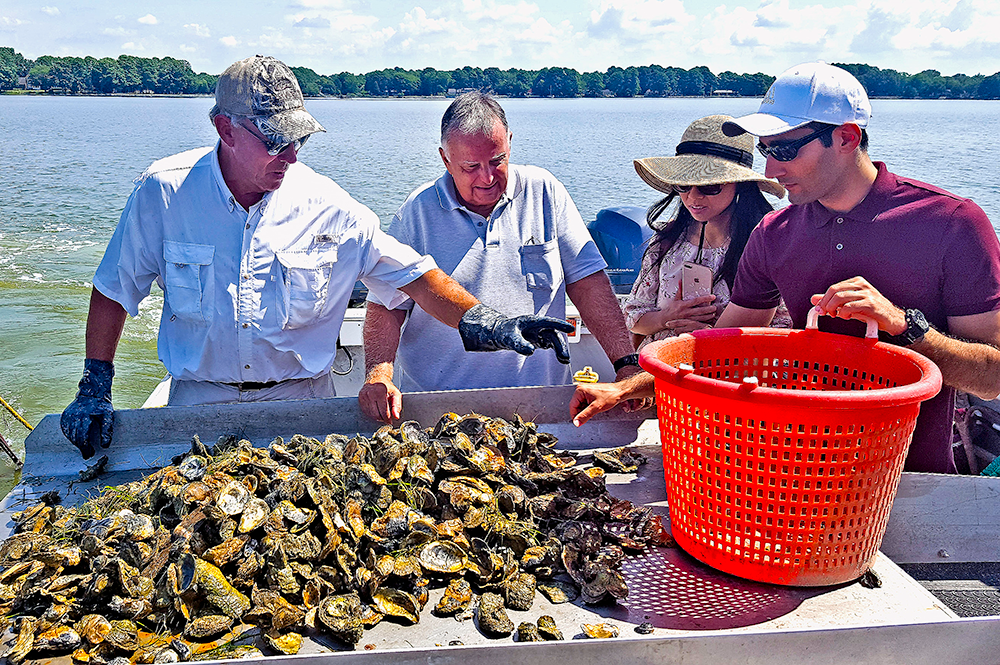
(257, 255)
(509, 234)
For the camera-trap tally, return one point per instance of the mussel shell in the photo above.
(442, 556)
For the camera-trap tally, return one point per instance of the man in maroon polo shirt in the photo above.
(861, 241)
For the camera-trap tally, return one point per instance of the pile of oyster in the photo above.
(310, 537)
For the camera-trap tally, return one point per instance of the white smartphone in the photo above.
(696, 280)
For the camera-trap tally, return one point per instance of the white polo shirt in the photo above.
(254, 295)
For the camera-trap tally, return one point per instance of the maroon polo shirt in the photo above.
(920, 246)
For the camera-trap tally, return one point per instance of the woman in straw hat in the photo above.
(721, 202)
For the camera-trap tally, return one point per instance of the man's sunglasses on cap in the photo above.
(786, 151)
(273, 147)
(706, 190)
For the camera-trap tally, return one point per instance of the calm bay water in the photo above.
(66, 166)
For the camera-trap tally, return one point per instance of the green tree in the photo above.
(592, 84)
(433, 82)
(622, 82)
(309, 81)
(556, 82)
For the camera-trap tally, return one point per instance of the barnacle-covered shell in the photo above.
(93, 628)
(519, 591)
(59, 639)
(547, 628)
(491, 616)
(528, 632)
(457, 596)
(193, 468)
(208, 625)
(342, 616)
(124, 635)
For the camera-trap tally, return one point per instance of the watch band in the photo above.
(625, 361)
(916, 328)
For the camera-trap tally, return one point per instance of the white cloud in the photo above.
(8, 22)
(117, 32)
(229, 41)
(188, 49)
(312, 22)
(148, 19)
(198, 29)
(133, 46)
(51, 11)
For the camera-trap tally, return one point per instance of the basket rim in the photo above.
(926, 387)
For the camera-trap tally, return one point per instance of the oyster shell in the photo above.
(491, 617)
(599, 630)
(547, 628)
(341, 615)
(457, 596)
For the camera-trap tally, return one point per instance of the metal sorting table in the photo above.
(699, 615)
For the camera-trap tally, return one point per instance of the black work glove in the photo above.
(90, 418)
(485, 329)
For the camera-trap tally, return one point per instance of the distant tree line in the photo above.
(130, 74)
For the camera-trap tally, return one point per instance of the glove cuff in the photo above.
(477, 328)
(97, 377)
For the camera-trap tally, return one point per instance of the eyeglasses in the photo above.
(274, 148)
(786, 151)
(705, 190)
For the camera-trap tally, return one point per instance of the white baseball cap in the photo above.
(813, 91)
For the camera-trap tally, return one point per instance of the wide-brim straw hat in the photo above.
(706, 156)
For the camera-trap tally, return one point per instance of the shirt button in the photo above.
(246, 325)
(480, 223)
(840, 246)
(246, 367)
(840, 220)
(248, 225)
(246, 276)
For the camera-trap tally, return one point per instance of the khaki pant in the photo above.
(189, 393)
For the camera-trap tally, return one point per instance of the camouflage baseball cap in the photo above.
(265, 89)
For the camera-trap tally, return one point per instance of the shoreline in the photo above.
(155, 95)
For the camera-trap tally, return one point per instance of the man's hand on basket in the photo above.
(855, 298)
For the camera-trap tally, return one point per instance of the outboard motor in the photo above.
(621, 234)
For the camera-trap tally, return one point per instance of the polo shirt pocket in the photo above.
(185, 277)
(305, 281)
(540, 265)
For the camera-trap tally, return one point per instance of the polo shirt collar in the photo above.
(448, 196)
(873, 205)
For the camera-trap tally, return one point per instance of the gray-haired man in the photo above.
(509, 234)
(256, 255)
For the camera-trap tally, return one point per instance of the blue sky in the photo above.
(331, 36)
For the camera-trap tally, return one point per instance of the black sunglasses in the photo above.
(706, 190)
(786, 151)
(273, 147)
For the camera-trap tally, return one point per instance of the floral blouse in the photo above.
(653, 290)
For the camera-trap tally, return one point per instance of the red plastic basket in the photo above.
(782, 449)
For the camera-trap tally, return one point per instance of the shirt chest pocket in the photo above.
(304, 285)
(540, 265)
(187, 272)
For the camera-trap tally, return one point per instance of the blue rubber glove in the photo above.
(485, 329)
(90, 418)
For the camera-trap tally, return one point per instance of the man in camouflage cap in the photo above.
(257, 255)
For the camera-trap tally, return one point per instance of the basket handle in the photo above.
(812, 323)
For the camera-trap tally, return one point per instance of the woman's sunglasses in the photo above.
(706, 190)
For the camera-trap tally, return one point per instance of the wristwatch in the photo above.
(916, 328)
(625, 361)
